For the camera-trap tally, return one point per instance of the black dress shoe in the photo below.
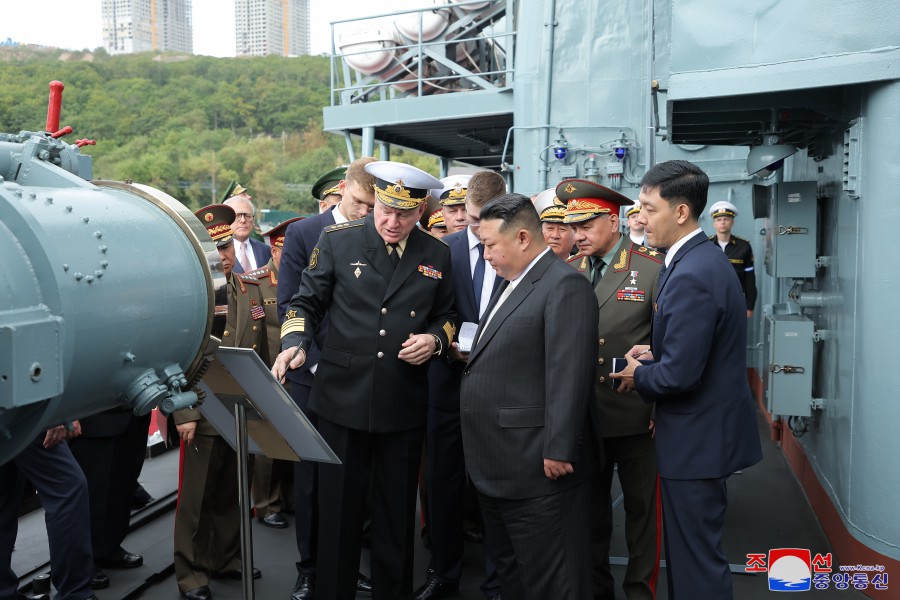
(200, 593)
(237, 574)
(275, 520)
(121, 560)
(140, 498)
(305, 588)
(363, 586)
(100, 580)
(434, 588)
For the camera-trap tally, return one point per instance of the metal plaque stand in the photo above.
(255, 414)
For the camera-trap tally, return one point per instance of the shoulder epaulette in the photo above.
(712, 238)
(260, 273)
(340, 226)
(248, 277)
(735, 237)
(574, 257)
(435, 238)
(650, 253)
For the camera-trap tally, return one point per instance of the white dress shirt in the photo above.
(490, 274)
(670, 253)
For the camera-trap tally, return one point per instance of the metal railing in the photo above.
(462, 57)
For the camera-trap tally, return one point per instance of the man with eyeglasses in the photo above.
(250, 254)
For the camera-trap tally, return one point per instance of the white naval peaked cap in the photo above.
(723, 208)
(549, 208)
(453, 189)
(399, 185)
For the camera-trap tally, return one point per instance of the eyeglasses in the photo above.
(239, 216)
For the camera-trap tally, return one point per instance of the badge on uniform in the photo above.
(630, 294)
(258, 312)
(431, 272)
(634, 278)
(314, 259)
(358, 264)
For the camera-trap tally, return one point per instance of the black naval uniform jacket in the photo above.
(740, 255)
(360, 382)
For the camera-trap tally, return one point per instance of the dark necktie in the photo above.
(394, 254)
(597, 265)
(478, 278)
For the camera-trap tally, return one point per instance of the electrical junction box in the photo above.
(791, 230)
(614, 167)
(788, 374)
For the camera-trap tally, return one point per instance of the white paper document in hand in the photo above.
(467, 336)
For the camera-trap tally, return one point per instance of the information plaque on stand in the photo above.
(255, 414)
(275, 426)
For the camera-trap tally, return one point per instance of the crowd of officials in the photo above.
(489, 356)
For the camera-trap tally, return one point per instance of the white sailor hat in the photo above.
(550, 208)
(723, 208)
(633, 209)
(399, 185)
(453, 191)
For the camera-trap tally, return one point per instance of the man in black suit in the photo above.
(524, 409)
(386, 286)
(474, 282)
(705, 419)
(47, 463)
(357, 199)
(249, 254)
(107, 451)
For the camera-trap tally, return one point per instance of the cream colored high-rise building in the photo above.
(131, 26)
(265, 27)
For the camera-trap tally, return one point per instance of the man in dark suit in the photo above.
(357, 199)
(524, 403)
(474, 282)
(47, 463)
(624, 276)
(107, 451)
(386, 286)
(705, 420)
(271, 476)
(250, 254)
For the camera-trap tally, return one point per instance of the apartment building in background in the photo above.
(131, 26)
(264, 27)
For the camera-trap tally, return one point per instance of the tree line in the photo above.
(184, 124)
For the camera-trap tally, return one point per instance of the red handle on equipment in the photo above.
(54, 106)
(64, 131)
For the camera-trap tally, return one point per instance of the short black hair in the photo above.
(516, 211)
(679, 181)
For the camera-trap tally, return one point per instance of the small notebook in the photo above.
(467, 336)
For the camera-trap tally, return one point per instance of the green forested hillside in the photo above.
(186, 124)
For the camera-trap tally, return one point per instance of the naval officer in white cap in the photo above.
(737, 249)
(386, 285)
(452, 196)
(559, 236)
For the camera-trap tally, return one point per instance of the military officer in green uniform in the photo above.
(271, 484)
(557, 234)
(207, 519)
(327, 188)
(436, 225)
(386, 286)
(737, 249)
(624, 276)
